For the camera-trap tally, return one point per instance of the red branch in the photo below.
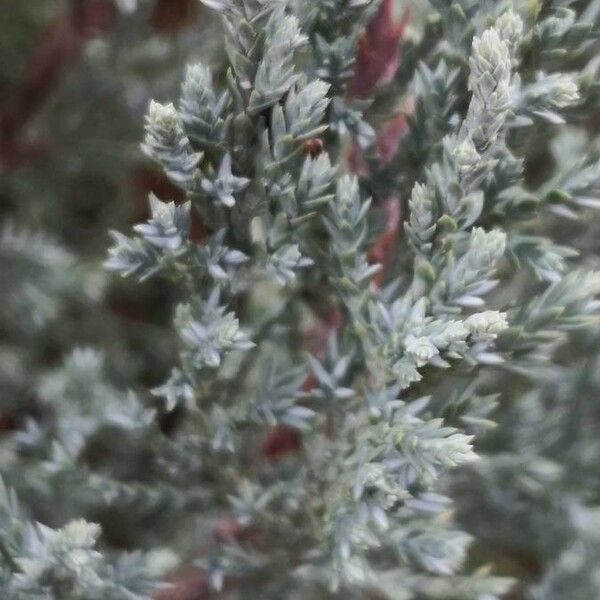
(388, 138)
(382, 250)
(378, 52)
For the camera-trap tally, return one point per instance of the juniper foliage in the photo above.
(398, 467)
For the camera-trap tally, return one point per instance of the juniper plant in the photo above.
(381, 370)
(364, 494)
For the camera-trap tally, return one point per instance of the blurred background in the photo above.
(75, 79)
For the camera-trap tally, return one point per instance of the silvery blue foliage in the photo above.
(40, 562)
(167, 143)
(208, 332)
(225, 184)
(87, 402)
(369, 484)
(164, 240)
(201, 110)
(328, 427)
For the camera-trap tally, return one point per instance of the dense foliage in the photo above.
(379, 259)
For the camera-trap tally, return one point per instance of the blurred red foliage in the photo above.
(383, 248)
(376, 62)
(169, 16)
(281, 440)
(388, 138)
(378, 54)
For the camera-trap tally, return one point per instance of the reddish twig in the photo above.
(382, 250)
(378, 50)
(388, 138)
